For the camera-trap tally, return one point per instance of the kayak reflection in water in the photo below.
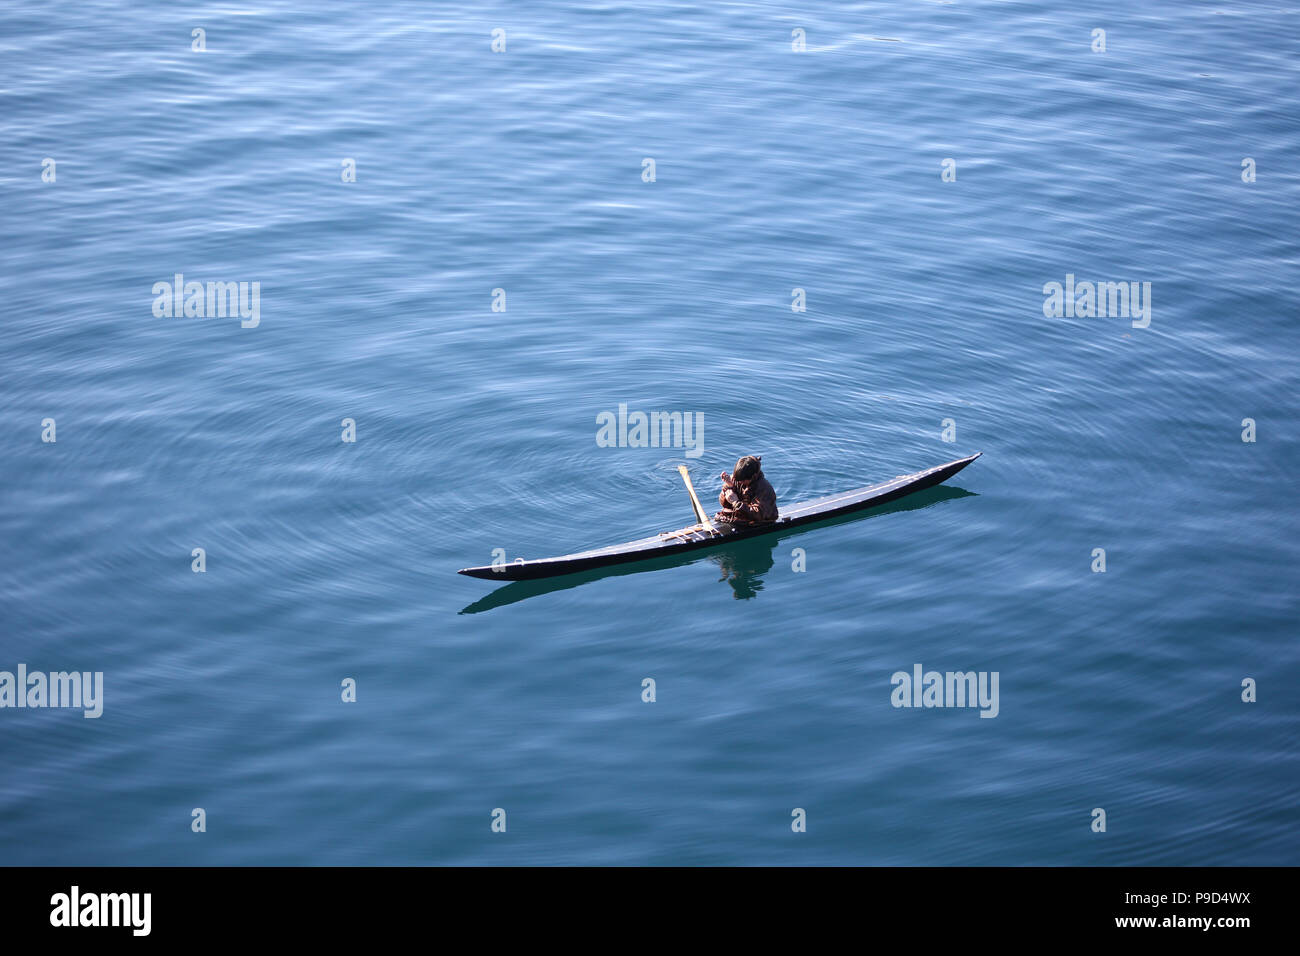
(747, 497)
(742, 565)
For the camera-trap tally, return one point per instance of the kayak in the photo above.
(747, 559)
(707, 534)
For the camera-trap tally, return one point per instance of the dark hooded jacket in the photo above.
(757, 502)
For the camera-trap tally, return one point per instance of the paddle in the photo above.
(695, 502)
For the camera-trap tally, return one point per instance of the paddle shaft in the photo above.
(695, 502)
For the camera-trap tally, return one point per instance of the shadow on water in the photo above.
(742, 563)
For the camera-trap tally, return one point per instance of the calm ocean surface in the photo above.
(774, 170)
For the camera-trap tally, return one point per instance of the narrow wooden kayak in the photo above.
(700, 536)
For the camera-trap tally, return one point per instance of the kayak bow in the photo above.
(704, 534)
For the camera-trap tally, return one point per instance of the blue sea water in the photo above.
(774, 170)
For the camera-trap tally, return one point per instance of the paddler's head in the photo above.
(747, 469)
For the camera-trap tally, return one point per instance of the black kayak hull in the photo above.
(695, 537)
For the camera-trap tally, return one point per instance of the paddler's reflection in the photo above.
(741, 565)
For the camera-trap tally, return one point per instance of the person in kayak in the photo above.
(747, 497)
